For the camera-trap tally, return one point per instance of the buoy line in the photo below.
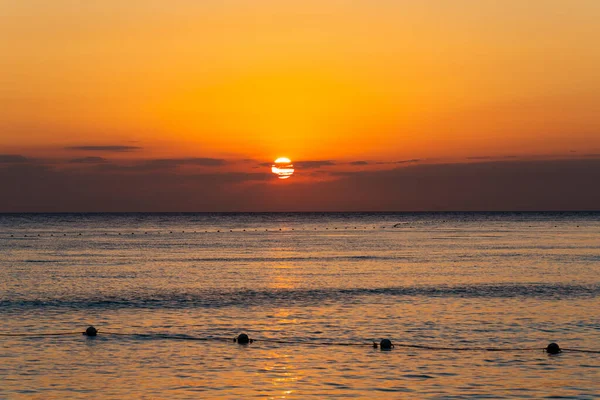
(390, 228)
(170, 232)
(244, 339)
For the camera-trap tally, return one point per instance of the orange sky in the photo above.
(307, 79)
(382, 81)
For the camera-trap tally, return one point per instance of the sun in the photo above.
(283, 168)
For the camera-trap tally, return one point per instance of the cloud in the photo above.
(312, 164)
(359, 162)
(88, 160)
(116, 149)
(174, 162)
(480, 158)
(12, 159)
(413, 160)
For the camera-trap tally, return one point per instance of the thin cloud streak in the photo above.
(313, 164)
(13, 159)
(175, 162)
(88, 160)
(413, 160)
(116, 148)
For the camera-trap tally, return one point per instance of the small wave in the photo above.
(245, 298)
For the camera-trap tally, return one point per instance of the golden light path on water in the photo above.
(283, 168)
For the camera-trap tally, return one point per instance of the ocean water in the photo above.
(151, 283)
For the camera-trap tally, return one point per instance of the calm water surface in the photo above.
(468, 280)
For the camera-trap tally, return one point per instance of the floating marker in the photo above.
(243, 339)
(386, 344)
(91, 331)
(553, 348)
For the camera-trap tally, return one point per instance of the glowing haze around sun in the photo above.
(283, 168)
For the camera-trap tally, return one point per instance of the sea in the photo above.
(469, 300)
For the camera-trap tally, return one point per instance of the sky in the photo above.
(382, 105)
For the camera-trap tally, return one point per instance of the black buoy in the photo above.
(553, 348)
(386, 344)
(91, 331)
(242, 339)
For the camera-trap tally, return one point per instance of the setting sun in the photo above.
(283, 168)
